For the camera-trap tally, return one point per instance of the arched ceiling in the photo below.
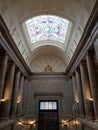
(48, 55)
(16, 12)
(48, 50)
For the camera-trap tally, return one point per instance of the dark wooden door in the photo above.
(48, 118)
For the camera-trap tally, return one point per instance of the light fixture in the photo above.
(18, 102)
(91, 99)
(20, 123)
(3, 100)
(77, 102)
(65, 122)
(32, 122)
(76, 122)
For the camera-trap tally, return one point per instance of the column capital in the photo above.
(90, 53)
(3, 52)
(25, 77)
(17, 69)
(83, 62)
(77, 69)
(22, 74)
(11, 63)
(73, 74)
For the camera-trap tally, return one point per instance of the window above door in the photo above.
(48, 105)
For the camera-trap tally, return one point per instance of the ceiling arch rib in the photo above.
(47, 49)
(48, 42)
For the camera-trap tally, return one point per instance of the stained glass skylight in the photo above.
(47, 27)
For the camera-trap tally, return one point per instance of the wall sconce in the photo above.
(32, 122)
(76, 122)
(18, 102)
(3, 100)
(77, 102)
(63, 121)
(91, 99)
(20, 123)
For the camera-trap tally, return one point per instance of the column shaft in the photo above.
(75, 89)
(3, 67)
(80, 93)
(8, 91)
(93, 81)
(15, 94)
(76, 105)
(20, 94)
(25, 95)
(86, 91)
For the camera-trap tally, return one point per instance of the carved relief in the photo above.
(48, 68)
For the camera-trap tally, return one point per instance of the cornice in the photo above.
(49, 76)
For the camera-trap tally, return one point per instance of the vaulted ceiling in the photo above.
(46, 52)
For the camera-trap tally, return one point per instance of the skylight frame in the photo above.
(47, 27)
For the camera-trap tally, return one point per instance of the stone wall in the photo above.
(46, 87)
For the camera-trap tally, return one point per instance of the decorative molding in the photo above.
(54, 63)
(48, 94)
(49, 76)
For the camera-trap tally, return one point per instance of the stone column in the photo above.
(93, 77)
(25, 94)
(75, 88)
(86, 91)
(15, 94)
(20, 94)
(5, 107)
(3, 68)
(80, 94)
(76, 105)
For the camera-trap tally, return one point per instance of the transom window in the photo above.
(48, 105)
(47, 27)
